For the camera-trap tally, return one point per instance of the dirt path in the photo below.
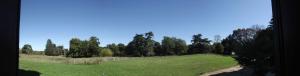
(232, 71)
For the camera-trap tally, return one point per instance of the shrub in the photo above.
(106, 52)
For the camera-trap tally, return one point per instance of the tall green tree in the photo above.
(122, 49)
(218, 48)
(136, 46)
(93, 46)
(149, 44)
(74, 49)
(141, 45)
(114, 48)
(180, 46)
(60, 50)
(51, 49)
(228, 44)
(168, 46)
(173, 46)
(84, 49)
(158, 49)
(26, 49)
(263, 51)
(256, 51)
(199, 44)
(239, 39)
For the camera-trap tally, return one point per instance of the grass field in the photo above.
(187, 65)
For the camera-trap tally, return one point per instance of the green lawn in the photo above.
(187, 65)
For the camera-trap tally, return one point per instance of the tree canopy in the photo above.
(26, 49)
(199, 44)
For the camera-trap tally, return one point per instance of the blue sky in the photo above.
(117, 21)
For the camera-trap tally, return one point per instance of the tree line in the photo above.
(252, 47)
(142, 45)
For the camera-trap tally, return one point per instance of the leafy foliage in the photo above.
(93, 46)
(173, 46)
(115, 49)
(60, 50)
(51, 49)
(218, 48)
(122, 49)
(141, 46)
(74, 47)
(26, 49)
(168, 46)
(79, 48)
(136, 46)
(253, 47)
(106, 52)
(158, 49)
(199, 45)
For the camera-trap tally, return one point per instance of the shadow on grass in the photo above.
(28, 73)
(241, 72)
